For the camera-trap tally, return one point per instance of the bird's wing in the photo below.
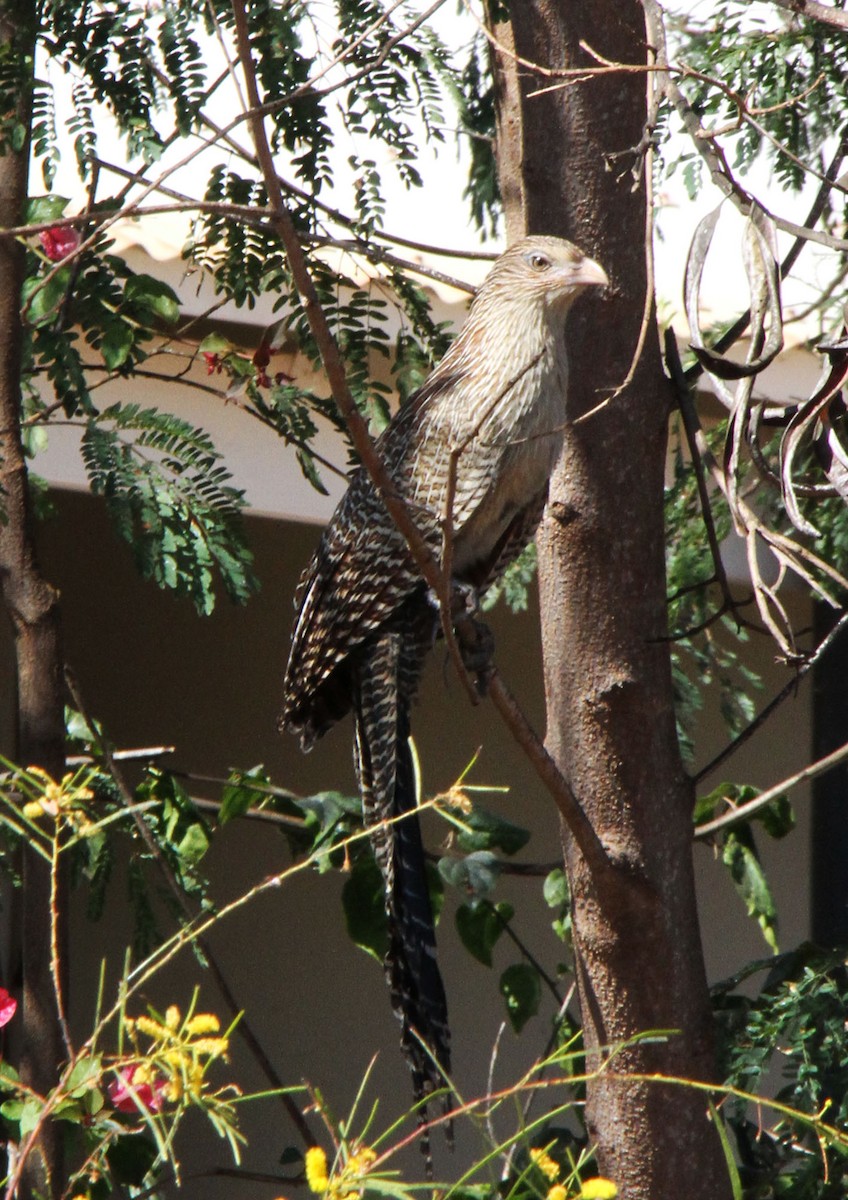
(361, 572)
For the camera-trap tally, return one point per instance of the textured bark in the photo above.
(32, 605)
(607, 673)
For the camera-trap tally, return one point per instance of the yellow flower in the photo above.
(598, 1189)
(214, 1047)
(33, 810)
(195, 1080)
(557, 1192)
(172, 1018)
(152, 1028)
(544, 1162)
(178, 1058)
(315, 1164)
(359, 1162)
(202, 1023)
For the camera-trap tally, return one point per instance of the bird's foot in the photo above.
(464, 600)
(477, 649)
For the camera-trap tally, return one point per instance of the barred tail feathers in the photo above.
(386, 676)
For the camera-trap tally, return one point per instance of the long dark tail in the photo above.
(387, 677)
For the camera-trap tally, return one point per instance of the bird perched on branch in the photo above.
(470, 454)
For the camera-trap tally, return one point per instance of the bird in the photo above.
(481, 435)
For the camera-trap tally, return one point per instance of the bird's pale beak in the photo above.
(590, 273)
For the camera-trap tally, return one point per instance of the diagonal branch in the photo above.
(744, 812)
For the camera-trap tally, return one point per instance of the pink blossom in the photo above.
(8, 1007)
(59, 241)
(129, 1093)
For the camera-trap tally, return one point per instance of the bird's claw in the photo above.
(464, 600)
(477, 649)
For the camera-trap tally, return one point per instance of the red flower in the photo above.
(213, 362)
(8, 1007)
(132, 1091)
(58, 242)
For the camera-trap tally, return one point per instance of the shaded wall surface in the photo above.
(155, 673)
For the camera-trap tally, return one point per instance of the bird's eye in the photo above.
(538, 261)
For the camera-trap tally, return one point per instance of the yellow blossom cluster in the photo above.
(597, 1188)
(348, 1184)
(181, 1049)
(65, 802)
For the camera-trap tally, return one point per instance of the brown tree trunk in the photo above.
(565, 160)
(32, 605)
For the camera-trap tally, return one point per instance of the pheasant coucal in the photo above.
(487, 426)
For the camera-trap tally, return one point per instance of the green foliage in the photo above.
(514, 586)
(170, 499)
(480, 927)
(474, 96)
(739, 851)
(794, 1029)
(521, 989)
(789, 71)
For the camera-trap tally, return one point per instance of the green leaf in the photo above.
(8, 1075)
(476, 874)
(41, 209)
(118, 341)
(480, 927)
(555, 888)
(364, 904)
(215, 343)
(42, 300)
(84, 1075)
(30, 1115)
(154, 296)
(239, 796)
(484, 830)
(521, 988)
(740, 856)
(721, 799)
(778, 817)
(193, 844)
(310, 470)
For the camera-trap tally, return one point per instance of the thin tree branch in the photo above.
(691, 426)
(744, 812)
(790, 688)
(818, 12)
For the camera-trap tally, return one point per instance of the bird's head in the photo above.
(548, 271)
